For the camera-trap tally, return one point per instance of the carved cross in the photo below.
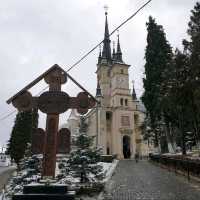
(53, 103)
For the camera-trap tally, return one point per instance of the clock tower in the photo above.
(119, 79)
(115, 123)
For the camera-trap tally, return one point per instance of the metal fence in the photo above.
(181, 165)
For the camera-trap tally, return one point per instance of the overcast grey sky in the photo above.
(36, 34)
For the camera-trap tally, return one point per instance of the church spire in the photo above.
(119, 52)
(134, 96)
(106, 53)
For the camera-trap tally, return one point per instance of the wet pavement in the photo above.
(145, 181)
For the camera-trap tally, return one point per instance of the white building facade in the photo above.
(116, 121)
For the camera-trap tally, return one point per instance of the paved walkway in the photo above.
(145, 181)
(5, 173)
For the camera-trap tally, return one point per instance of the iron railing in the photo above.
(178, 164)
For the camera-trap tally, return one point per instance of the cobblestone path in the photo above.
(5, 173)
(145, 181)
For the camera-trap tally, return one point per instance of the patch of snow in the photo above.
(171, 154)
(108, 169)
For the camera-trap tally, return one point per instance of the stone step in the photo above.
(45, 192)
(45, 189)
(43, 197)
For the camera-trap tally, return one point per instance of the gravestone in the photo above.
(64, 141)
(37, 144)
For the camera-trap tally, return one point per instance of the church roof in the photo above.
(106, 57)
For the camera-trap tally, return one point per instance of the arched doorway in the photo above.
(126, 146)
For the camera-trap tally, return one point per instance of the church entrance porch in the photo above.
(126, 147)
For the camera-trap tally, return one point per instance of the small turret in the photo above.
(99, 95)
(134, 96)
(98, 90)
(114, 53)
(119, 52)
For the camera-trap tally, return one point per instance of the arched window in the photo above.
(121, 102)
(126, 102)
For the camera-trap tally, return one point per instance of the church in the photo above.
(115, 122)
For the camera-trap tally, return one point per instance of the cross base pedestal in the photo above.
(45, 192)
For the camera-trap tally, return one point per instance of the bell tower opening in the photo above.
(126, 147)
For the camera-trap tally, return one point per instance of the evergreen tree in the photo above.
(35, 117)
(180, 97)
(30, 172)
(83, 162)
(192, 47)
(158, 57)
(24, 125)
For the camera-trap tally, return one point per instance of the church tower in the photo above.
(104, 66)
(115, 120)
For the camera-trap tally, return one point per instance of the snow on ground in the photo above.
(190, 155)
(108, 169)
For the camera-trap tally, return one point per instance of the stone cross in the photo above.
(53, 103)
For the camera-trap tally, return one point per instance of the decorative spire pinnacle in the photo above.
(134, 96)
(119, 52)
(106, 53)
(118, 43)
(98, 90)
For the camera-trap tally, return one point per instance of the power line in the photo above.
(117, 28)
(90, 51)
(8, 115)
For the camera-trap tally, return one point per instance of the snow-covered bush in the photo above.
(30, 168)
(83, 163)
(82, 167)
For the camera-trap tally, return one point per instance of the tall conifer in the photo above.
(192, 47)
(25, 123)
(158, 57)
